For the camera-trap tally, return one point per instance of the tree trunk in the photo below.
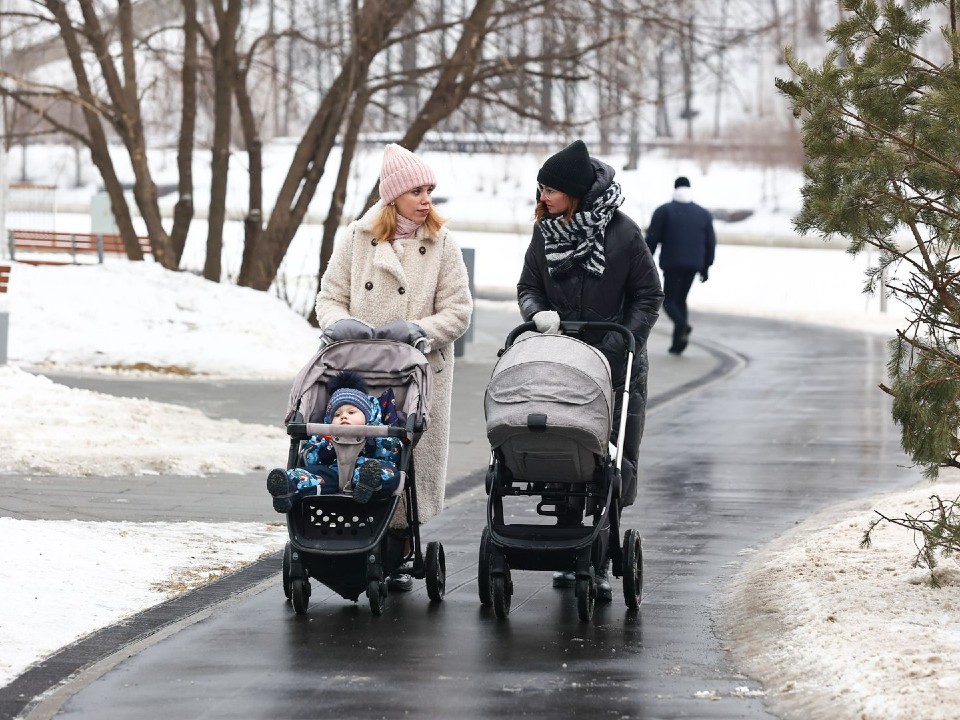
(686, 66)
(721, 74)
(253, 223)
(546, 90)
(128, 123)
(955, 51)
(339, 197)
(375, 23)
(663, 117)
(633, 148)
(183, 210)
(99, 149)
(225, 70)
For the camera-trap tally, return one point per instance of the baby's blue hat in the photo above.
(349, 396)
(348, 388)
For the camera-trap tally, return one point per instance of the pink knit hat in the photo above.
(402, 171)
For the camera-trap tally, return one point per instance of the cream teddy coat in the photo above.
(427, 284)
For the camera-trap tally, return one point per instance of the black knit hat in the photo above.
(681, 182)
(569, 171)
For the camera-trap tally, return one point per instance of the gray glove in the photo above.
(346, 329)
(547, 321)
(405, 332)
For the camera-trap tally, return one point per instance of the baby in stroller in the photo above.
(357, 405)
(375, 470)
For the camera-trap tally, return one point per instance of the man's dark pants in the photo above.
(676, 286)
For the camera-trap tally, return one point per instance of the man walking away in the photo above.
(684, 232)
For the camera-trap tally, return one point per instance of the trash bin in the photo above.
(460, 346)
(4, 312)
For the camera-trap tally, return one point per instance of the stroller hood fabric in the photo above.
(382, 364)
(562, 378)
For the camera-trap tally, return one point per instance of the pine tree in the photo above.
(881, 129)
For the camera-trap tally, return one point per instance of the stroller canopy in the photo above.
(557, 376)
(382, 363)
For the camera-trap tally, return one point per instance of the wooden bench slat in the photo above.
(34, 261)
(80, 246)
(4, 277)
(70, 243)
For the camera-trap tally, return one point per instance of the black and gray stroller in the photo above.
(335, 540)
(549, 414)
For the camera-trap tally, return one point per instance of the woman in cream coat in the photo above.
(399, 264)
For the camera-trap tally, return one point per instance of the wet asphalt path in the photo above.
(801, 425)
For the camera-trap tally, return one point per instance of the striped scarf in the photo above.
(579, 243)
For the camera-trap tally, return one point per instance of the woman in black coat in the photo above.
(588, 261)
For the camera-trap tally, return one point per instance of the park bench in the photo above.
(4, 278)
(66, 243)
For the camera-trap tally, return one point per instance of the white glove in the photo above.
(547, 321)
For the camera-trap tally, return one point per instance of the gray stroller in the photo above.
(341, 543)
(549, 412)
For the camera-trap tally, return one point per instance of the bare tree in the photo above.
(374, 23)
(110, 102)
(223, 50)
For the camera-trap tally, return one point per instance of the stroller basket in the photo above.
(338, 525)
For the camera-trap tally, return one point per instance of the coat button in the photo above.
(423, 250)
(401, 290)
(369, 285)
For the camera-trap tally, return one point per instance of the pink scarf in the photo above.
(406, 228)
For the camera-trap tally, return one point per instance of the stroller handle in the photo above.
(302, 431)
(574, 328)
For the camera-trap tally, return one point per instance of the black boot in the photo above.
(604, 591)
(400, 582)
(369, 481)
(283, 489)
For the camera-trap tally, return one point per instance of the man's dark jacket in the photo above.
(684, 232)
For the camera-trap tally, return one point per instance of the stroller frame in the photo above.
(348, 546)
(539, 547)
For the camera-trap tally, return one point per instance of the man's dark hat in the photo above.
(681, 182)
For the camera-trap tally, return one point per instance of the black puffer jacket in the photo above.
(628, 292)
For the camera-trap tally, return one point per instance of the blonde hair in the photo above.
(541, 209)
(385, 224)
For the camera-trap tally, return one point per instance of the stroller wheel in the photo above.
(300, 595)
(632, 569)
(436, 568)
(377, 595)
(586, 594)
(483, 569)
(502, 591)
(287, 552)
